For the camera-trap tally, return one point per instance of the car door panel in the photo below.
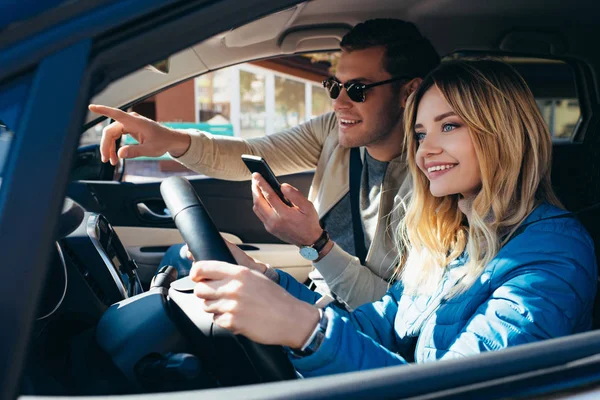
(135, 211)
(228, 202)
(147, 247)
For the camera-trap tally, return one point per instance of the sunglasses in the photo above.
(355, 90)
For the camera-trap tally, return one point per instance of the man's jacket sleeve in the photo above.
(294, 150)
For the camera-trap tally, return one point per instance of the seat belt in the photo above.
(355, 175)
(357, 226)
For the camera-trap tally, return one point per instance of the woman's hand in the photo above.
(246, 302)
(241, 257)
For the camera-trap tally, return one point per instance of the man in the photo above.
(381, 64)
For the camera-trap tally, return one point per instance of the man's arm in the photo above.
(293, 150)
(290, 151)
(299, 225)
(349, 280)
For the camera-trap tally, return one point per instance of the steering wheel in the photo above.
(231, 359)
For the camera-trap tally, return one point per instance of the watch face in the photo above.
(309, 253)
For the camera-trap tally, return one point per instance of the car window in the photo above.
(554, 88)
(248, 100)
(93, 134)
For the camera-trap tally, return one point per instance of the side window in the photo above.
(561, 114)
(248, 100)
(93, 135)
(553, 85)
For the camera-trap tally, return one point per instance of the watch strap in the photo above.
(321, 241)
(315, 339)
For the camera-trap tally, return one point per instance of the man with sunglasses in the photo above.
(381, 64)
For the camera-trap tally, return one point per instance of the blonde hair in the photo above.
(513, 147)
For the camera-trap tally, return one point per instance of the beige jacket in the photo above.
(314, 145)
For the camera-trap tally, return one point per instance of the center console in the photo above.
(102, 260)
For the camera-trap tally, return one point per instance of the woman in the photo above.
(491, 260)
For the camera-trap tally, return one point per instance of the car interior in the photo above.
(102, 328)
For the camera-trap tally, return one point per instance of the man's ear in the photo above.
(409, 88)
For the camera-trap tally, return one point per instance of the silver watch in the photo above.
(313, 252)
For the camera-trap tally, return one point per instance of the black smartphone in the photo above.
(258, 164)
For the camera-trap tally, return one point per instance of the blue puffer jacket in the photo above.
(540, 285)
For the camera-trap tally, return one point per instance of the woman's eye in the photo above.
(449, 127)
(419, 136)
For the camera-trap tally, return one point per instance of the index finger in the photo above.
(212, 270)
(108, 148)
(110, 112)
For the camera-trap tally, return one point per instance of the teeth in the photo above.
(440, 167)
(348, 121)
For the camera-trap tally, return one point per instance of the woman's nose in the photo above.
(429, 146)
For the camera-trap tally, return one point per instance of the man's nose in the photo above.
(342, 102)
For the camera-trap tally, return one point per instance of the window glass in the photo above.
(252, 104)
(290, 108)
(561, 115)
(321, 103)
(93, 135)
(552, 83)
(247, 100)
(213, 97)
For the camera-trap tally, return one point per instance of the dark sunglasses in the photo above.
(355, 90)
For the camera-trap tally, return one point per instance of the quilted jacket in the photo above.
(540, 285)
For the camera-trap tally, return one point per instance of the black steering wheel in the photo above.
(231, 359)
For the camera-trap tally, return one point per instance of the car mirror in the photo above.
(88, 165)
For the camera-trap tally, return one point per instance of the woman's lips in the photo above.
(435, 172)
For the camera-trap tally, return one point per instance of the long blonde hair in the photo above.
(513, 147)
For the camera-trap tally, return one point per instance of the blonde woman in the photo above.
(491, 260)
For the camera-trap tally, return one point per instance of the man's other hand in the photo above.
(298, 225)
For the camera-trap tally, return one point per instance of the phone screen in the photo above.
(258, 164)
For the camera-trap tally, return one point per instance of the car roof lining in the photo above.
(318, 25)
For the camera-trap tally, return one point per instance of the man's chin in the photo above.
(349, 140)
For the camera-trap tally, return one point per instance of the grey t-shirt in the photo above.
(338, 221)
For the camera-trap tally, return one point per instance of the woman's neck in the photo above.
(465, 204)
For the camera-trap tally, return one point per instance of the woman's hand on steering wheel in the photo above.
(241, 257)
(246, 302)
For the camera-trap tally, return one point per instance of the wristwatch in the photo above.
(313, 252)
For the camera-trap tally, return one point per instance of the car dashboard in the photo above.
(89, 270)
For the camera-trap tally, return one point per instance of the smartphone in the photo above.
(258, 164)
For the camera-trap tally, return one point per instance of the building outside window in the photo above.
(248, 100)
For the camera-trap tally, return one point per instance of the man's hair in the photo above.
(407, 52)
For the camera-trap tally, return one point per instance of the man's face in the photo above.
(380, 115)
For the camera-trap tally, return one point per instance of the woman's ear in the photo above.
(409, 88)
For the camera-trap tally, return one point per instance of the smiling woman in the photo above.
(489, 260)
(458, 144)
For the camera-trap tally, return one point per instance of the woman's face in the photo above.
(445, 151)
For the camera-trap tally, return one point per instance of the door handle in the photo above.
(147, 213)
